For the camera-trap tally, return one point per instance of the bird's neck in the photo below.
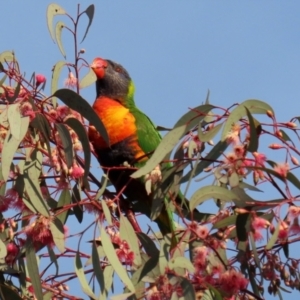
(107, 91)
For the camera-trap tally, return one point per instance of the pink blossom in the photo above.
(12, 251)
(233, 281)
(202, 232)
(282, 169)
(200, 257)
(76, 171)
(71, 81)
(260, 159)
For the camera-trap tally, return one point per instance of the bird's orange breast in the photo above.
(119, 123)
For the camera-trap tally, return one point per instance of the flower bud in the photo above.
(39, 79)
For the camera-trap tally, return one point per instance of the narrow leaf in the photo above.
(114, 260)
(194, 116)
(76, 102)
(78, 210)
(127, 233)
(66, 140)
(254, 107)
(90, 13)
(273, 238)
(188, 291)
(209, 135)
(63, 201)
(52, 11)
(58, 29)
(3, 251)
(181, 262)
(81, 133)
(88, 79)
(14, 120)
(167, 144)
(107, 213)
(7, 56)
(57, 230)
(55, 76)
(253, 141)
(33, 270)
(82, 280)
(10, 146)
(209, 192)
(97, 268)
(31, 179)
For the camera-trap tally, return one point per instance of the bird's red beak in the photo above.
(98, 66)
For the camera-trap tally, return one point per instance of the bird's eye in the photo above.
(118, 69)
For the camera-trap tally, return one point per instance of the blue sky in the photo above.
(176, 50)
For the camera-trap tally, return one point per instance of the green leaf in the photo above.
(33, 270)
(41, 124)
(3, 117)
(90, 13)
(14, 120)
(53, 259)
(7, 56)
(114, 260)
(57, 230)
(104, 182)
(214, 293)
(63, 201)
(253, 141)
(231, 220)
(209, 135)
(78, 210)
(66, 142)
(9, 292)
(163, 257)
(58, 29)
(81, 133)
(148, 244)
(285, 248)
(10, 146)
(76, 102)
(55, 76)
(82, 280)
(209, 192)
(3, 80)
(181, 262)
(121, 296)
(52, 11)
(108, 278)
(32, 171)
(273, 238)
(188, 291)
(243, 226)
(88, 79)
(98, 270)
(254, 107)
(167, 144)
(144, 269)
(3, 251)
(285, 136)
(127, 233)
(107, 213)
(194, 116)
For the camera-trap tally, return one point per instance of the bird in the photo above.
(133, 137)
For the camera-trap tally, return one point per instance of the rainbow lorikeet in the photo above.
(133, 137)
